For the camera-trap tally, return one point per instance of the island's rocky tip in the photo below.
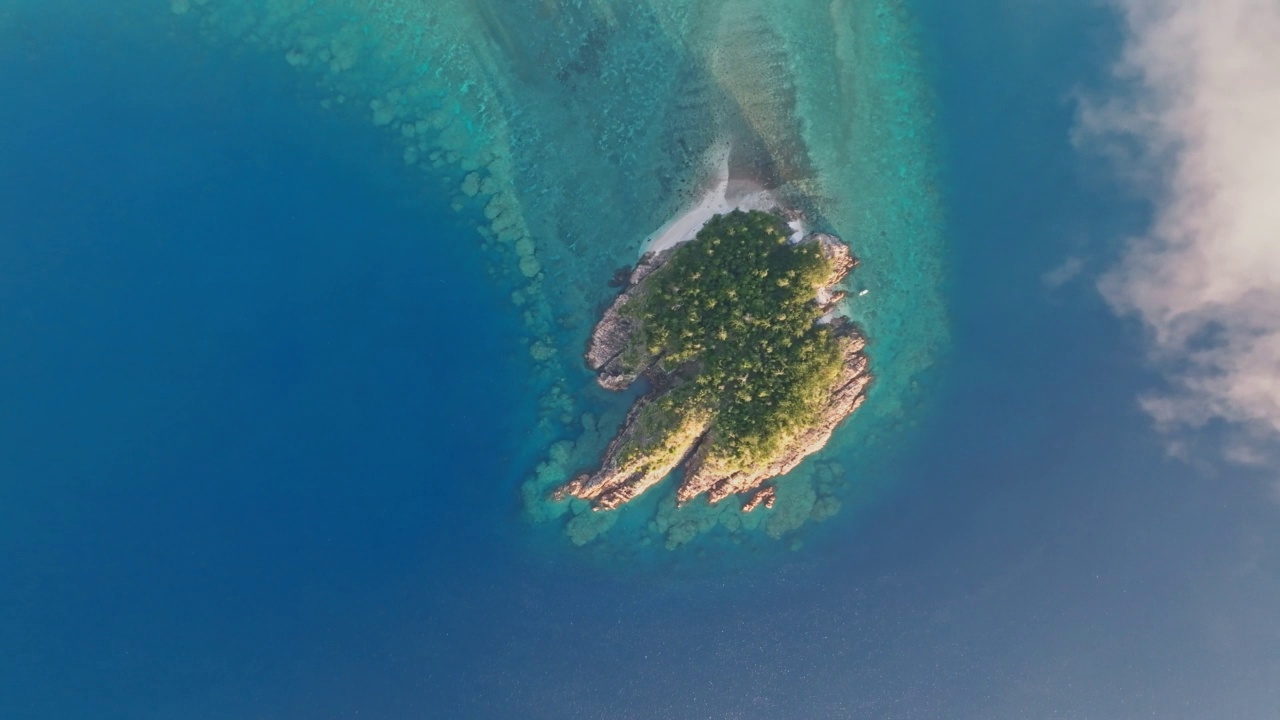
(750, 370)
(765, 496)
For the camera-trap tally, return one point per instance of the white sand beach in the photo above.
(723, 196)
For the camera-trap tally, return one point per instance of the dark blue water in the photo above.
(262, 419)
(246, 385)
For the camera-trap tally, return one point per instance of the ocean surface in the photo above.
(290, 313)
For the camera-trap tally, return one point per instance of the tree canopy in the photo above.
(732, 314)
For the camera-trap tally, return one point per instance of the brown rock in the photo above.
(607, 349)
(764, 496)
(621, 479)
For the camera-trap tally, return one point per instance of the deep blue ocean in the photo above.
(263, 417)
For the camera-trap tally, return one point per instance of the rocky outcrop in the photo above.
(764, 496)
(618, 363)
(620, 479)
(837, 253)
(607, 351)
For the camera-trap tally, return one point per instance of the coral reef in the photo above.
(547, 124)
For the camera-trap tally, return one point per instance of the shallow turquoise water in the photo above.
(267, 416)
(569, 131)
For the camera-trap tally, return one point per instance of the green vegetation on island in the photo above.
(745, 380)
(730, 320)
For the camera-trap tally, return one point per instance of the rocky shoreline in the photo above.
(617, 482)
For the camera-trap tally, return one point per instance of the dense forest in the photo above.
(731, 319)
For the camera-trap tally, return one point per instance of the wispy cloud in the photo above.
(1197, 123)
(1064, 273)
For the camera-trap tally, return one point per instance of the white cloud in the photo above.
(1198, 123)
(1065, 272)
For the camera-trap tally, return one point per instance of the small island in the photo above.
(749, 369)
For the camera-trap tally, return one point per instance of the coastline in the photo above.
(724, 195)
